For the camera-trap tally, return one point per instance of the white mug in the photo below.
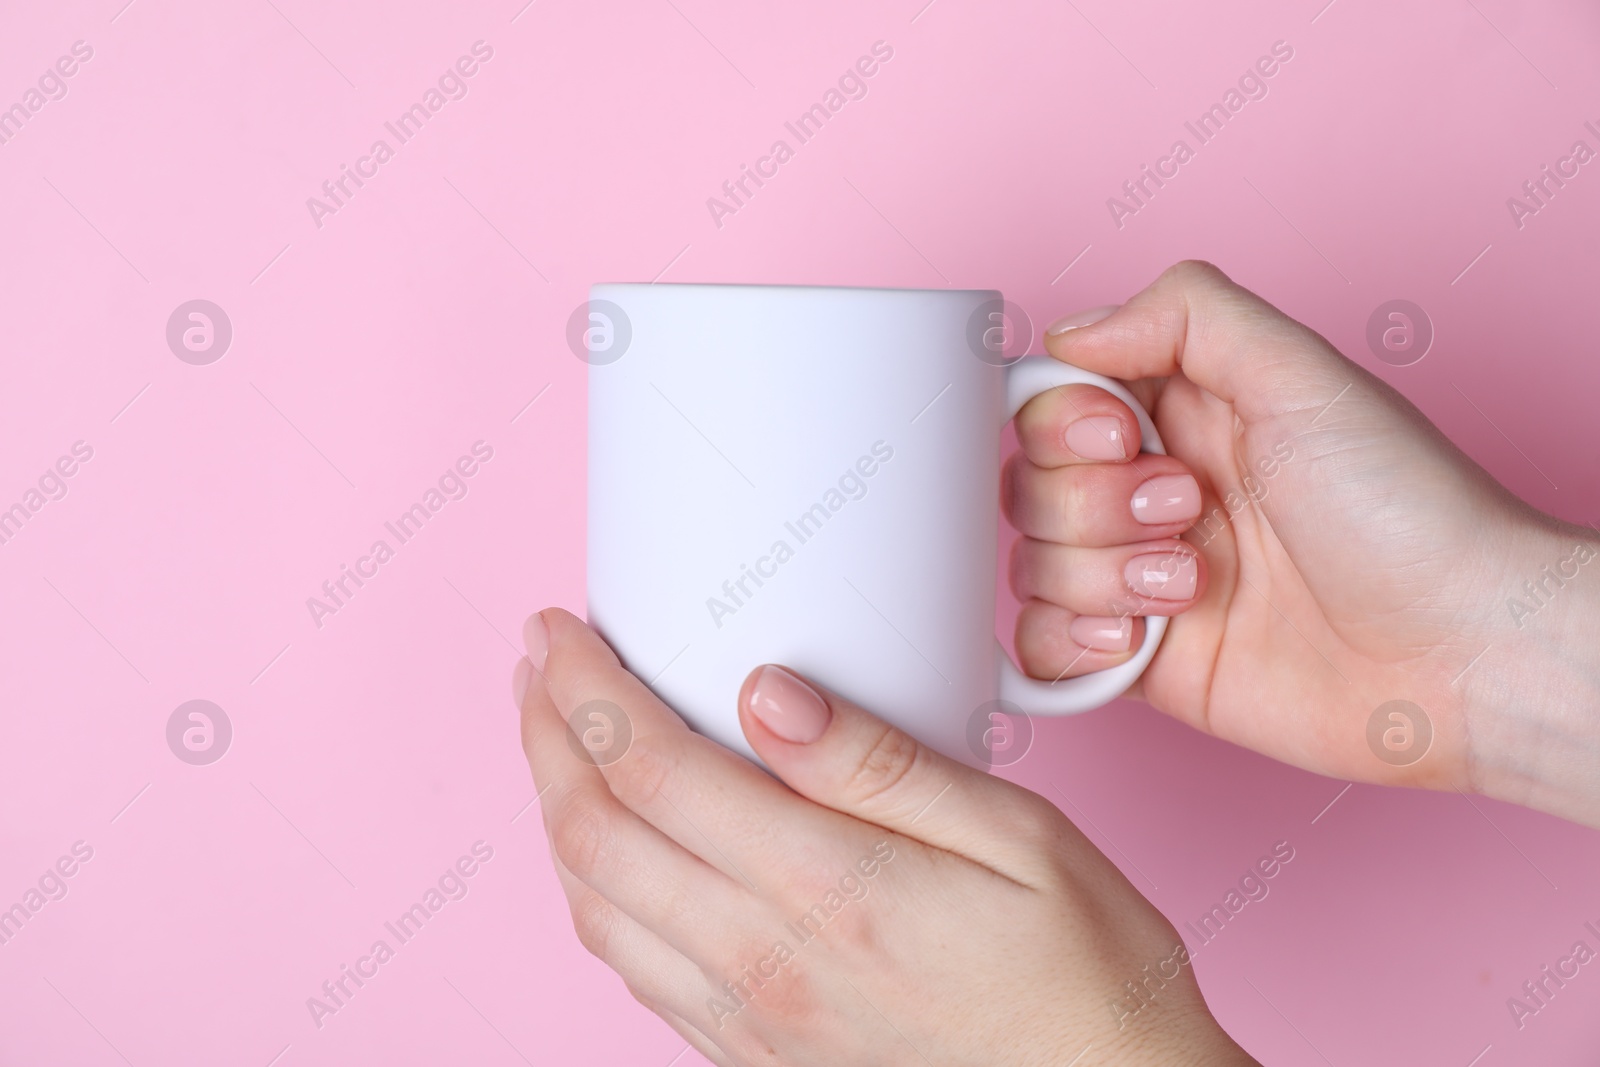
(810, 476)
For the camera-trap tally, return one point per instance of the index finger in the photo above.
(1077, 424)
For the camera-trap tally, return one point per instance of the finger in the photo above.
(697, 1038)
(1307, 417)
(716, 804)
(840, 756)
(1054, 643)
(688, 903)
(1163, 577)
(1077, 424)
(653, 970)
(1195, 321)
(1101, 504)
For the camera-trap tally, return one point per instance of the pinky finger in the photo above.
(657, 974)
(688, 1031)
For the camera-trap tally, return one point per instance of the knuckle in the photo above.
(1026, 419)
(1036, 818)
(1206, 300)
(1037, 641)
(1014, 495)
(1030, 656)
(852, 932)
(1072, 499)
(1019, 567)
(639, 778)
(674, 903)
(883, 764)
(787, 1002)
(1196, 272)
(1038, 422)
(1065, 861)
(594, 920)
(583, 836)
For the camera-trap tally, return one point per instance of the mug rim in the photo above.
(784, 287)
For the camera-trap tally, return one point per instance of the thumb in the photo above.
(842, 757)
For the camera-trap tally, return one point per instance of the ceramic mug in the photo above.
(810, 476)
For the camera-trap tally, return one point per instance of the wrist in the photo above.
(1532, 701)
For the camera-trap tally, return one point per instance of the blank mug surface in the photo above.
(809, 476)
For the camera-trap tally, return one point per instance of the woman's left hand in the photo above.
(882, 904)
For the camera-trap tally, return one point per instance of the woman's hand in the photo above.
(879, 905)
(1345, 555)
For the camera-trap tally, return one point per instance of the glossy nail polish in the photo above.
(1079, 318)
(788, 706)
(536, 639)
(1098, 437)
(1103, 633)
(1163, 575)
(1169, 498)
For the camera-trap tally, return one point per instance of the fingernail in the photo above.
(1101, 632)
(1169, 498)
(1097, 437)
(519, 681)
(789, 707)
(1079, 318)
(536, 638)
(1164, 575)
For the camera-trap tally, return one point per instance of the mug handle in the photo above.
(1026, 379)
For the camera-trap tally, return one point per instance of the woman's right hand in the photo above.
(1351, 556)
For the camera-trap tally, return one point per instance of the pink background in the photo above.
(370, 353)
